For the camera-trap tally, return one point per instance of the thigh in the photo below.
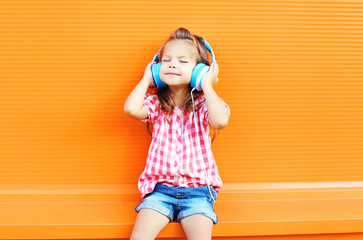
(198, 201)
(197, 227)
(148, 224)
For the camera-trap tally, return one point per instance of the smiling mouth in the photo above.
(172, 74)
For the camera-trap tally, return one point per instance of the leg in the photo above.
(148, 224)
(197, 227)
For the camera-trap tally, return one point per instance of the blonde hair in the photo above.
(164, 94)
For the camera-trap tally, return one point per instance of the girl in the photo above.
(180, 180)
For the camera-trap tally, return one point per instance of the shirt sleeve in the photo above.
(150, 102)
(203, 111)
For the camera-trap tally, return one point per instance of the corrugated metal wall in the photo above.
(291, 71)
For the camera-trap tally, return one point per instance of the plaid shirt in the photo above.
(178, 154)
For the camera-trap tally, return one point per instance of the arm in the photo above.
(218, 113)
(134, 104)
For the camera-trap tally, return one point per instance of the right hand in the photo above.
(211, 78)
(148, 75)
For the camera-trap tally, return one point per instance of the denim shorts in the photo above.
(179, 202)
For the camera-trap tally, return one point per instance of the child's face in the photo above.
(177, 63)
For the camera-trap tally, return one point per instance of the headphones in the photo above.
(198, 73)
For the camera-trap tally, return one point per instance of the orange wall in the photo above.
(291, 72)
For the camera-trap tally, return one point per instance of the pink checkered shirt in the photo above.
(178, 154)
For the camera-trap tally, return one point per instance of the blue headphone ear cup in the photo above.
(155, 71)
(198, 73)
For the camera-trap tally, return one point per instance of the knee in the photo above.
(134, 237)
(138, 236)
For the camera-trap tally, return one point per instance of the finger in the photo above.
(213, 68)
(217, 69)
(216, 73)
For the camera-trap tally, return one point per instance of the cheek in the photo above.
(190, 70)
(162, 66)
(163, 69)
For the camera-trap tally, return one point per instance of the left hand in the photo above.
(211, 78)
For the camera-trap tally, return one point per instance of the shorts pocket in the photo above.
(212, 194)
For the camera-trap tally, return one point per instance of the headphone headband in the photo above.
(209, 48)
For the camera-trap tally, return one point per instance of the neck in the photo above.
(178, 95)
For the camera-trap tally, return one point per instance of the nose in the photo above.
(172, 63)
